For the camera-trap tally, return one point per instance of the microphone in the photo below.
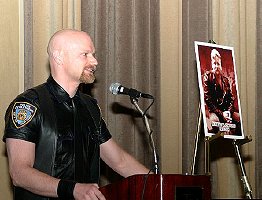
(117, 88)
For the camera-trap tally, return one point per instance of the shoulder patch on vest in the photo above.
(22, 113)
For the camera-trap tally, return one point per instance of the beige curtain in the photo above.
(229, 23)
(126, 36)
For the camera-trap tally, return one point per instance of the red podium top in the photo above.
(159, 186)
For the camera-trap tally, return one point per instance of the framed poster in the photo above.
(219, 97)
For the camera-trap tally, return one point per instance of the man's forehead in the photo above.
(73, 42)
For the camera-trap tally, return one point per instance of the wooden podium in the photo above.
(160, 187)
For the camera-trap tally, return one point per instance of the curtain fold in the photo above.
(195, 28)
(258, 113)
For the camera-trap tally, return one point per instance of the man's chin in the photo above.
(87, 80)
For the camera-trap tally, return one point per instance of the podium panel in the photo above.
(160, 187)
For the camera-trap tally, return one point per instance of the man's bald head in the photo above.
(65, 39)
(216, 60)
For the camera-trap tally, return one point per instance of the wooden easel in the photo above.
(236, 143)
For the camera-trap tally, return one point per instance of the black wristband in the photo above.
(65, 189)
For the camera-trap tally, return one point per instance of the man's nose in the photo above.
(94, 61)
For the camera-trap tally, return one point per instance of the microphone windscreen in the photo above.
(114, 88)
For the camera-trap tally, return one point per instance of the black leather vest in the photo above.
(45, 157)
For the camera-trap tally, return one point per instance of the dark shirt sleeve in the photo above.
(21, 120)
(105, 134)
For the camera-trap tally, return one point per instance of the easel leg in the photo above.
(207, 157)
(247, 187)
(199, 122)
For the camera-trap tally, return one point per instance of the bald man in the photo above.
(55, 135)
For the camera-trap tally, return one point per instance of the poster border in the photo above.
(202, 101)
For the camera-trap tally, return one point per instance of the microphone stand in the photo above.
(134, 101)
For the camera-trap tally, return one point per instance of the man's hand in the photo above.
(87, 192)
(227, 116)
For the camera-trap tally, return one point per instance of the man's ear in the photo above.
(57, 57)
